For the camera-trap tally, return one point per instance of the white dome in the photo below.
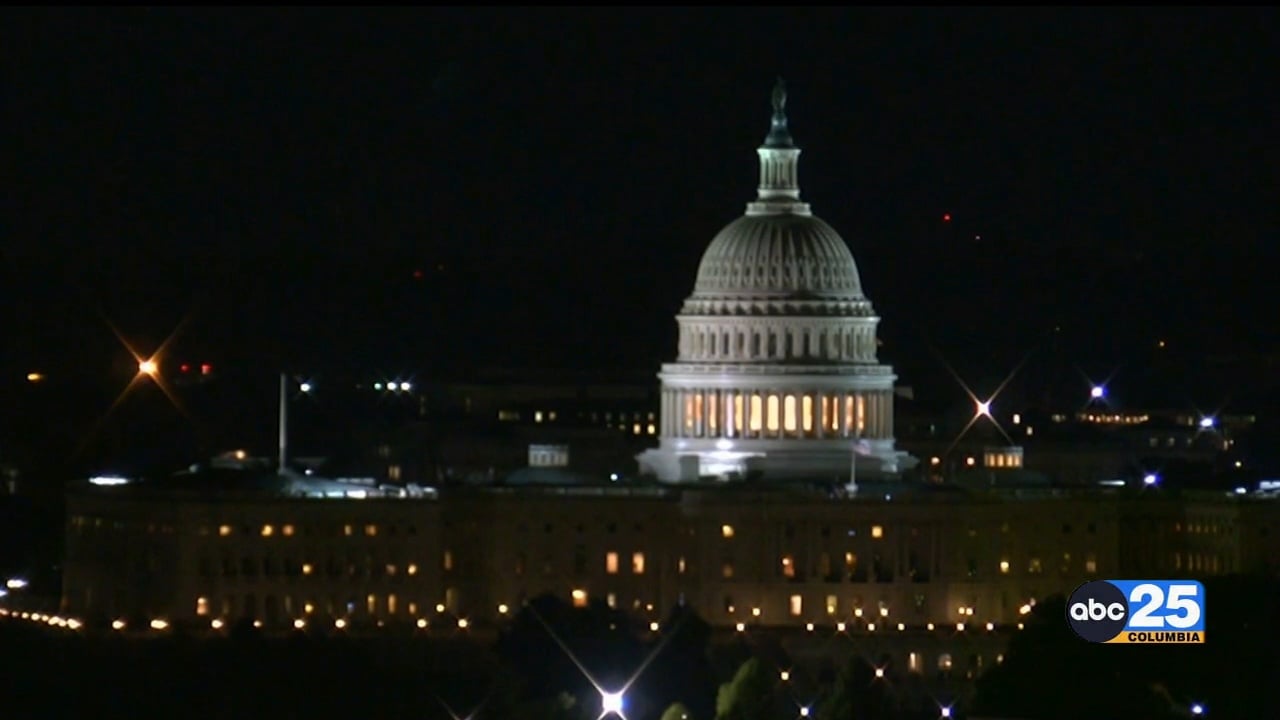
(785, 254)
(776, 371)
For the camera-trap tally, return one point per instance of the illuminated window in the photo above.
(371, 530)
(944, 662)
(286, 530)
(611, 600)
(1090, 564)
(635, 429)
(224, 530)
(537, 416)
(789, 413)
(713, 415)
(446, 561)
(202, 606)
(393, 473)
(726, 531)
(771, 413)
(727, 571)
(371, 604)
(914, 662)
(935, 460)
(680, 566)
(391, 570)
(391, 604)
(348, 530)
(788, 566)
(1033, 566)
(877, 532)
(308, 608)
(307, 569)
(268, 531)
(850, 563)
(796, 605)
(611, 563)
(833, 605)
(806, 413)
(637, 563)
(579, 598)
(412, 569)
(757, 413)
(652, 430)
(737, 415)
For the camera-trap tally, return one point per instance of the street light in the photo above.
(148, 367)
(611, 704)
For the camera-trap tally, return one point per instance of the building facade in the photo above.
(777, 371)
(778, 558)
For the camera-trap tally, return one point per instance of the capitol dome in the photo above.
(786, 254)
(776, 373)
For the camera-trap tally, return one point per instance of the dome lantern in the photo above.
(779, 189)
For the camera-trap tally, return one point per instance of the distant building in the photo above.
(777, 373)
(225, 544)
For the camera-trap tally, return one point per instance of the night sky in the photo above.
(431, 191)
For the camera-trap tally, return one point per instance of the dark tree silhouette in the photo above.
(680, 669)
(858, 693)
(749, 695)
(1050, 673)
(605, 641)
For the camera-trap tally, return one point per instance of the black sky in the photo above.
(277, 177)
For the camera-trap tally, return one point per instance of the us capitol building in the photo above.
(777, 372)
(776, 390)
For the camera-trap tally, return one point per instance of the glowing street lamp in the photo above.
(1150, 479)
(1207, 422)
(983, 408)
(148, 367)
(1097, 392)
(611, 704)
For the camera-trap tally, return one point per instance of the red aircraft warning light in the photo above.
(946, 217)
(206, 368)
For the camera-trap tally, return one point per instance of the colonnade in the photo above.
(721, 413)
(709, 342)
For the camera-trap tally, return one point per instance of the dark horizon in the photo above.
(432, 191)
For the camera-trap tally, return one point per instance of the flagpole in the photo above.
(852, 487)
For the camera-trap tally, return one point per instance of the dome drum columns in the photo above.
(816, 414)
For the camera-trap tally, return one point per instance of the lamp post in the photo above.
(305, 387)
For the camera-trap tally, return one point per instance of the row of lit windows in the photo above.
(288, 530)
(774, 413)
(373, 604)
(541, 416)
(877, 531)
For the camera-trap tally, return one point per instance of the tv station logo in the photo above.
(1150, 612)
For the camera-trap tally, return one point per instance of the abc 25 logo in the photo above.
(1138, 611)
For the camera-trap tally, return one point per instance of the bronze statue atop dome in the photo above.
(779, 136)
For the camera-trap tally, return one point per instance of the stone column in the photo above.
(873, 419)
(726, 397)
(700, 407)
(821, 401)
(663, 409)
(888, 414)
